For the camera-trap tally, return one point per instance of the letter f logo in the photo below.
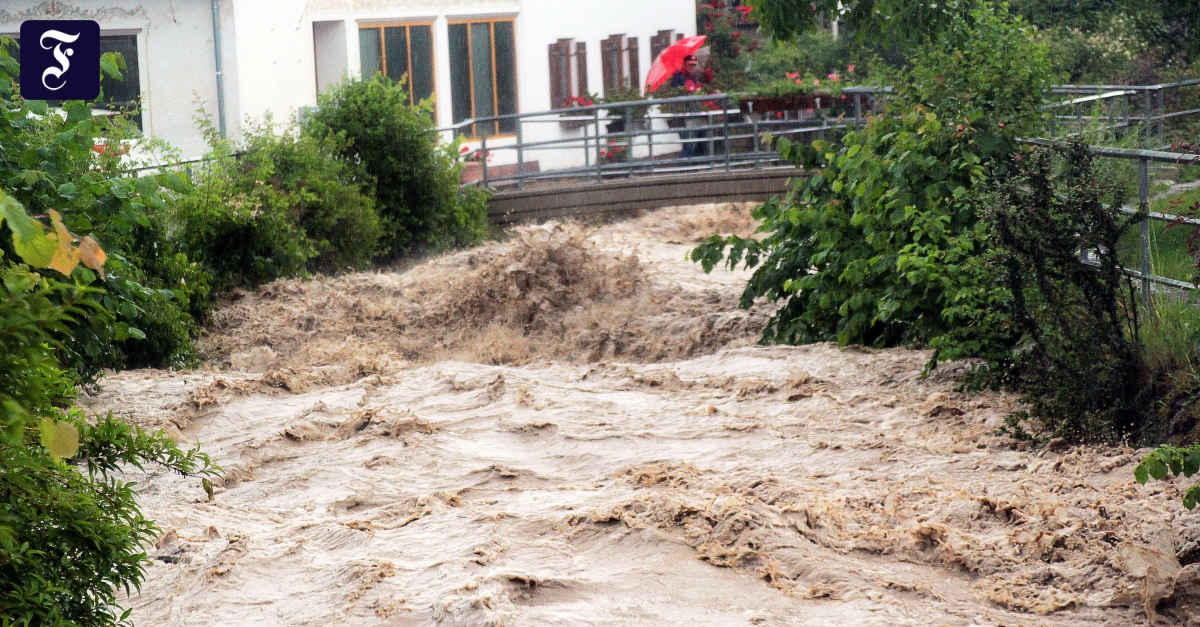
(60, 60)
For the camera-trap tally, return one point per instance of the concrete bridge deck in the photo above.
(571, 199)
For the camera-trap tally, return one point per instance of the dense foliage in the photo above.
(881, 244)
(49, 161)
(416, 180)
(71, 534)
(279, 205)
(1078, 363)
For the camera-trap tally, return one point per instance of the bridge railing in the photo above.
(657, 136)
(718, 131)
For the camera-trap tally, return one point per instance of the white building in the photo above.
(475, 57)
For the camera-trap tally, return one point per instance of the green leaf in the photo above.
(37, 107)
(29, 238)
(61, 439)
(1141, 474)
(109, 65)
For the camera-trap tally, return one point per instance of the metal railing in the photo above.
(1151, 106)
(658, 136)
(1144, 158)
(723, 132)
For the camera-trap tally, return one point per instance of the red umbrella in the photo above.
(670, 61)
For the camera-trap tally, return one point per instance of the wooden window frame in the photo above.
(491, 22)
(379, 26)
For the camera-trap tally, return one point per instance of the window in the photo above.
(568, 72)
(483, 74)
(399, 51)
(124, 94)
(619, 63)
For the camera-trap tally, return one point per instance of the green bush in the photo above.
(49, 162)
(71, 534)
(416, 181)
(279, 206)
(1078, 362)
(881, 243)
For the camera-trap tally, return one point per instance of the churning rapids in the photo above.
(574, 426)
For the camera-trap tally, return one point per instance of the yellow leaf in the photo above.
(92, 255)
(60, 438)
(66, 256)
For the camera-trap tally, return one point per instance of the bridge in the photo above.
(620, 157)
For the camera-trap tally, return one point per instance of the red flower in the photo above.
(708, 75)
(744, 10)
(464, 150)
(799, 82)
(816, 83)
(708, 26)
(850, 68)
(793, 75)
(737, 36)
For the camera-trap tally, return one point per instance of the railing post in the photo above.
(755, 141)
(629, 139)
(1162, 118)
(650, 140)
(587, 147)
(520, 158)
(1144, 239)
(599, 162)
(857, 108)
(725, 117)
(1146, 119)
(483, 155)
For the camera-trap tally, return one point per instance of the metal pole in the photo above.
(629, 139)
(757, 146)
(520, 158)
(220, 73)
(725, 116)
(650, 139)
(857, 108)
(587, 147)
(599, 163)
(483, 159)
(1149, 127)
(1144, 209)
(1162, 118)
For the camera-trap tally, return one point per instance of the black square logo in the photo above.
(60, 60)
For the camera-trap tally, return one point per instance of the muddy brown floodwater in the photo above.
(575, 427)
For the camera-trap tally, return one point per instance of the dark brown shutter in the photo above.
(660, 42)
(610, 63)
(581, 69)
(560, 73)
(635, 75)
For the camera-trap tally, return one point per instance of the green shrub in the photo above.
(881, 243)
(1078, 361)
(49, 162)
(283, 204)
(416, 181)
(71, 534)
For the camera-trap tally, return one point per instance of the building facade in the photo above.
(239, 59)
